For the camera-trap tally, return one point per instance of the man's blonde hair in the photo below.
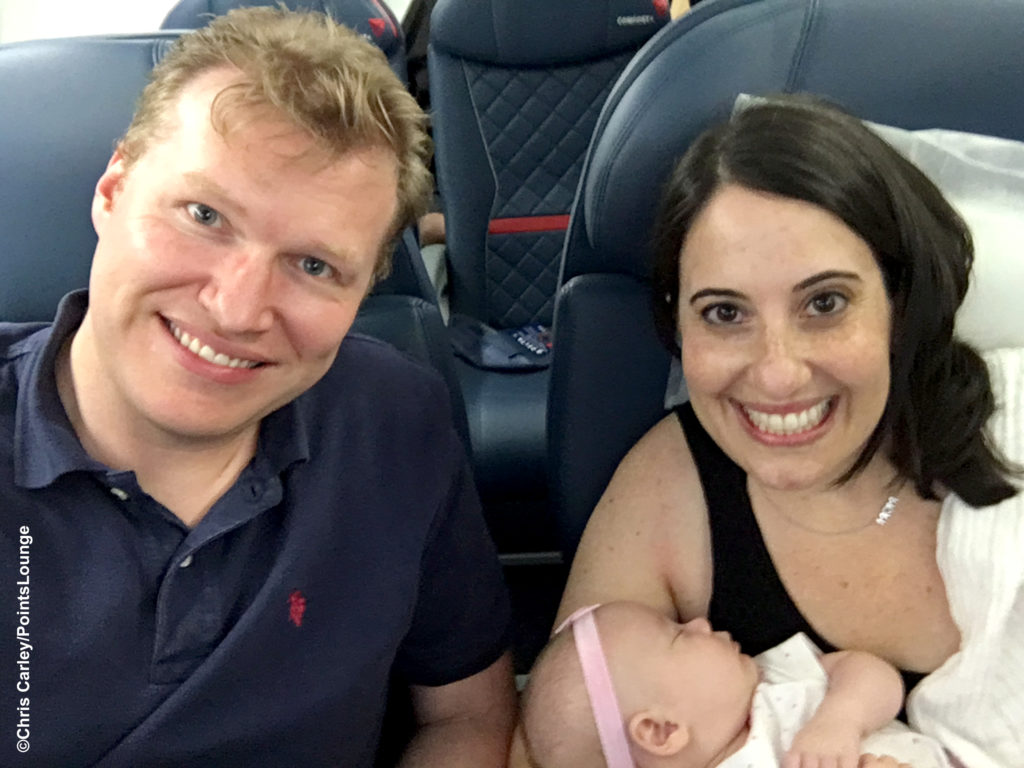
(322, 76)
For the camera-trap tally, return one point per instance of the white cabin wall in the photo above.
(32, 19)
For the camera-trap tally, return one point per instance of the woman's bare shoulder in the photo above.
(663, 447)
(647, 538)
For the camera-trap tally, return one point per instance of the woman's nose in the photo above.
(780, 368)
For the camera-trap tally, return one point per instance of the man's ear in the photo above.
(107, 189)
(658, 734)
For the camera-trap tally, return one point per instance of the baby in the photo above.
(650, 692)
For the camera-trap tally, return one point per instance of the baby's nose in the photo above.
(700, 626)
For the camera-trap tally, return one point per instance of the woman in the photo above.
(812, 275)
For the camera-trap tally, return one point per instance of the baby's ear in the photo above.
(658, 734)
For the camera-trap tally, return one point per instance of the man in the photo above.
(228, 529)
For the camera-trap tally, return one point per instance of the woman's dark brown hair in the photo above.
(801, 148)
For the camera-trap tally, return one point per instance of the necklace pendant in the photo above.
(886, 511)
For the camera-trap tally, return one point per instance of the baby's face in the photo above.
(699, 672)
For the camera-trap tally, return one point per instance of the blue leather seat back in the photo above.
(372, 19)
(945, 64)
(516, 87)
(65, 103)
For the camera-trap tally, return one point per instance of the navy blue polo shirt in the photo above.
(351, 548)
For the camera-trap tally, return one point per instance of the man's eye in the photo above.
(204, 214)
(827, 303)
(315, 267)
(721, 314)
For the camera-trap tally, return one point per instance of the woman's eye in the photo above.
(827, 303)
(315, 267)
(721, 314)
(204, 214)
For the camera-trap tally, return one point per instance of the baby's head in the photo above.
(683, 693)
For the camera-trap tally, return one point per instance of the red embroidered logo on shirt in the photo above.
(377, 26)
(661, 7)
(296, 607)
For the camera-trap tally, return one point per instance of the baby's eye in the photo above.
(204, 214)
(721, 314)
(315, 267)
(829, 303)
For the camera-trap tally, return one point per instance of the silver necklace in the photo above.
(883, 516)
(887, 509)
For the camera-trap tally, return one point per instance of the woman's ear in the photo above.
(653, 732)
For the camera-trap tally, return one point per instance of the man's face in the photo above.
(228, 269)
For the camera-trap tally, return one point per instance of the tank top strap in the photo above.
(747, 596)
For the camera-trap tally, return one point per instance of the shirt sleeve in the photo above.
(461, 622)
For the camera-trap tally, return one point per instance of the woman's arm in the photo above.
(647, 539)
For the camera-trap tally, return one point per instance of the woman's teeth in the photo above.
(790, 423)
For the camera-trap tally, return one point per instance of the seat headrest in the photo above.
(543, 32)
(370, 18)
(887, 62)
(65, 105)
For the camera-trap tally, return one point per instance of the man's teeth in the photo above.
(206, 352)
(791, 423)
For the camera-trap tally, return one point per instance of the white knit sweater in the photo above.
(974, 703)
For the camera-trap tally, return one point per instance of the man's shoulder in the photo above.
(18, 342)
(16, 339)
(365, 362)
(372, 382)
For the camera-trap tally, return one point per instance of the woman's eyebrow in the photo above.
(826, 275)
(829, 274)
(721, 292)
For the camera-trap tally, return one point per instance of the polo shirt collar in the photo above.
(45, 443)
(284, 438)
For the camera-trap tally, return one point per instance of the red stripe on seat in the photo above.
(514, 225)
(387, 17)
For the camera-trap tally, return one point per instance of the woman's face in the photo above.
(785, 327)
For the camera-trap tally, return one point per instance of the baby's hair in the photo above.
(558, 726)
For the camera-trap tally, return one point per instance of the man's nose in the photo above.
(780, 368)
(238, 294)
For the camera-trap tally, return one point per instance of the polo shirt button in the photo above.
(186, 562)
(119, 494)
(255, 491)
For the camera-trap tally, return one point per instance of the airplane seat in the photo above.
(944, 64)
(516, 86)
(59, 126)
(372, 19)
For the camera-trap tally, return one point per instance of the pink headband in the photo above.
(600, 691)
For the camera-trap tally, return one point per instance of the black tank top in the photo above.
(747, 596)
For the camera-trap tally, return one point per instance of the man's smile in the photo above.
(208, 353)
